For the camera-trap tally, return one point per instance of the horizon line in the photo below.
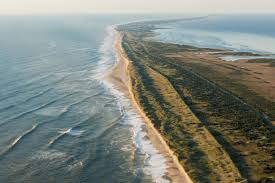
(138, 13)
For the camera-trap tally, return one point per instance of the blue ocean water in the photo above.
(255, 33)
(59, 119)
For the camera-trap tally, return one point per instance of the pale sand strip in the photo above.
(120, 77)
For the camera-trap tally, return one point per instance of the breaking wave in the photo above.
(17, 140)
(154, 163)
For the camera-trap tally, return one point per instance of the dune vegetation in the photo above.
(220, 128)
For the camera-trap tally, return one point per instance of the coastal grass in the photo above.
(218, 127)
(200, 154)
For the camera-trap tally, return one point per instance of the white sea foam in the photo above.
(49, 155)
(155, 163)
(69, 131)
(65, 131)
(77, 165)
(17, 140)
(25, 134)
(76, 132)
(107, 51)
(52, 111)
(126, 148)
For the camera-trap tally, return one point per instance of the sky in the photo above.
(135, 6)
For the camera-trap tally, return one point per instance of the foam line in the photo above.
(154, 163)
(17, 140)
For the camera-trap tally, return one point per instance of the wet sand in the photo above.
(120, 78)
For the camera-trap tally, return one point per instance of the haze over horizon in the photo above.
(135, 6)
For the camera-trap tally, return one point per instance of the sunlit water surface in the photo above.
(60, 121)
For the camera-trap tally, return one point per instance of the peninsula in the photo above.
(215, 117)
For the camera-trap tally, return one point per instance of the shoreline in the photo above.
(119, 76)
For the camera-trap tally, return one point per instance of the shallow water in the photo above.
(253, 33)
(236, 58)
(59, 120)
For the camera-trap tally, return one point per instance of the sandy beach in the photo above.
(119, 77)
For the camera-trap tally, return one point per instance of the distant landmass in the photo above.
(216, 115)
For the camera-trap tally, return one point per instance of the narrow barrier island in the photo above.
(217, 116)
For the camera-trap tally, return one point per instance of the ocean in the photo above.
(246, 33)
(60, 120)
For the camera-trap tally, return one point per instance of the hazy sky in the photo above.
(135, 6)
